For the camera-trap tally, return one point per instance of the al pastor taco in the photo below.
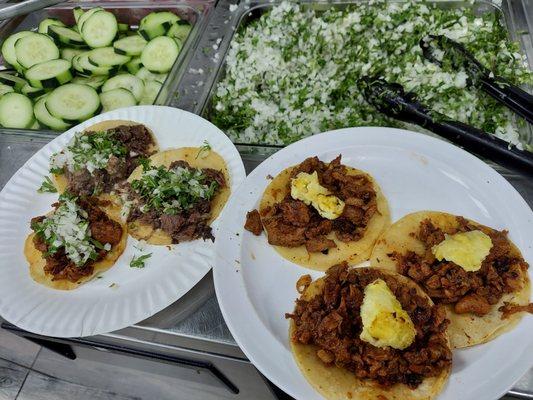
(319, 214)
(369, 334)
(475, 271)
(176, 195)
(77, 240)
(101, 157)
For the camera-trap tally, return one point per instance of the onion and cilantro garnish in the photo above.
(68, 227)
(171, 191)
(294, 72)
(87, 151)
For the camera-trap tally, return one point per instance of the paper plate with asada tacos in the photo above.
(72, 265)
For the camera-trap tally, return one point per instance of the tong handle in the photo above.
(472, 139)
(512, 96)
(25, 7)
(485, 145)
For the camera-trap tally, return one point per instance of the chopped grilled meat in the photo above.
(319, 244)
(103, 229)
(184, 226)
(292, 223)
(447, 283)
(138, 143)
(509, 309)
(253, 222)
(332, 322)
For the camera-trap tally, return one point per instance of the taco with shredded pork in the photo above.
(76, 241)
(369, 334)
(475, 271)
(176, 194)
(319, 214)
(101, 157)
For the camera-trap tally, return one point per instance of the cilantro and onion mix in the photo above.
(68, 227)
(90, 151)
(293, 72)
(172, 190)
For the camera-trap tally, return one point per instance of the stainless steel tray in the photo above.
(195, 11)
(199, 92)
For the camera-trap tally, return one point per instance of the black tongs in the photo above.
(392, 100)
(442, 50)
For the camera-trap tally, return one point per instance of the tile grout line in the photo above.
(30, 369)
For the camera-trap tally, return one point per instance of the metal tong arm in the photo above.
(12, 10)
(512, 96)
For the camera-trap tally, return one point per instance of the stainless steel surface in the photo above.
(25, 7)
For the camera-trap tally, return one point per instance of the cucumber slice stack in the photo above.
(60, 75)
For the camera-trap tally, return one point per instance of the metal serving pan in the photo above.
(514, 15)
(196, 12)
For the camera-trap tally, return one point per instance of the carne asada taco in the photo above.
(176, 195)
(101, 157)
(318, 214)
(476, 271)
(76, 241)
(369, 334)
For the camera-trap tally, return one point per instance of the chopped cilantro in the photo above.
(171, 191)
(138, 262)
(47, 186)
(204, 150)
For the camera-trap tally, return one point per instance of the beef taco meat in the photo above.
(470, 268)
(79, 238)
(101, 157)
(171, 201)
(370, 332)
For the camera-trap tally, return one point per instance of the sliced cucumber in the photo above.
(66, 36)
(146, 75)
(122, 28)
(45, 23)
(16, 111)
(151, 90)
(134, 65)
(159, 54)
(78, 12)
(100, 29)
(180, 30)
(44, 117)
(93, 81)
(8, 49)
(73, 102)
(157, 24)
(32, 92)
(49, 74)
(86, 15)
(35, 48)
(117, 98)
(106, 57)
(35, 125)
(83, 66)
(68, 53)
(5, 89)
(130, 45)
(11, 80)
(126, 81)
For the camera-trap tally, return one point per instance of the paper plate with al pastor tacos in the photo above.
(72, 263)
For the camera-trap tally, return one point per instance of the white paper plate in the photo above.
(256, 287)
(136, 294)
